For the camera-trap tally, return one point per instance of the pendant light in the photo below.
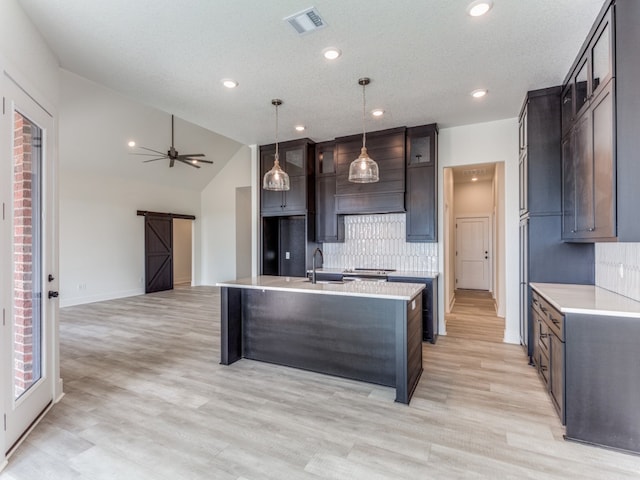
(363, 169)
(276, 179)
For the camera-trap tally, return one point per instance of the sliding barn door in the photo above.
(158, 241)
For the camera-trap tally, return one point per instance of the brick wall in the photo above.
(22, 256)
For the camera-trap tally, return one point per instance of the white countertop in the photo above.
(397, 273)
(389, 290)
(587, 299)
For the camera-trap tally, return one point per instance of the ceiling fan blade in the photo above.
(154, 151)
(191, 164)
(192, 155)
(172, 162)
(154, 159)
(148, 154)
(203, 161)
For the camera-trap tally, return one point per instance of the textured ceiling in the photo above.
(423, 56)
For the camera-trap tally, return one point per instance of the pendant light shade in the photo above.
(364, 169)
(276, 179)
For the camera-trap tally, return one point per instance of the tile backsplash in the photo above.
(618, 268)
(379, 241)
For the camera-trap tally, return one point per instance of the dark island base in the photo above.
(361, 338)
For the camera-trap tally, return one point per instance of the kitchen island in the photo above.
(367, 331)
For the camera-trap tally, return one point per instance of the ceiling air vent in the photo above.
(306, 21)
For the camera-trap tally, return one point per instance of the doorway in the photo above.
(473, 250)
(29, 261)
(182, 251)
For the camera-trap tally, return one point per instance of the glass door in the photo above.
(28, 297)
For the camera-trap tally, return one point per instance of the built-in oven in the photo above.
(368, 274)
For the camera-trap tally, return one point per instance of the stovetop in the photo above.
(368, 271)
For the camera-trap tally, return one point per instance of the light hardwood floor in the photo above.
(147, 399)
(473, 316)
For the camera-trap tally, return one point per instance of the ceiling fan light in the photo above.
(363, 169)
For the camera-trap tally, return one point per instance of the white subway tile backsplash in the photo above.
(379, 241)
(618, 268)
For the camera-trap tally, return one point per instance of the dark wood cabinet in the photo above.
(287, 227)
(544, 257)
(600, 115)
(549, 349)
(329, 225)
(296, 159)
(588, 149)
(387, 148)
(430, 326)
(421, 195)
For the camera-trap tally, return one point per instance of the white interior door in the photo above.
(473, 253)
(28, 258)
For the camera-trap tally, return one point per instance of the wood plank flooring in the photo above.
(473, 316)
(147, 399)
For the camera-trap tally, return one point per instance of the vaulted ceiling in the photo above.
(424, 58)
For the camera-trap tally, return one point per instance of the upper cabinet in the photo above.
(296, 159)
(329, 225)
(387, 148)
(540, 166)
(591, 73)
(600, 143)
(421, 195)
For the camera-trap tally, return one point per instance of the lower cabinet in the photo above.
(429, 305)
(548, 349)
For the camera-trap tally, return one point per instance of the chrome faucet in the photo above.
(313, 263)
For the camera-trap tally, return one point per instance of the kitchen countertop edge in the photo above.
(587, 299)
(385, 290)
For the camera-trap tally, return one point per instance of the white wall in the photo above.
(219, 219)
(25, 56)
(182, 251)
(448, 235)
(500, 254)
(473, 198)
(487, 143)
(102, 238)
(243, 232)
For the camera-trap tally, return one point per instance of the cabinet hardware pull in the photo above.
(592, 229)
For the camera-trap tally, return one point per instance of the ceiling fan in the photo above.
(172, 155)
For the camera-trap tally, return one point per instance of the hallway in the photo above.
(474, 317)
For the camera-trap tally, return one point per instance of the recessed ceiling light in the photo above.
(132, 143)
(227, 82)
(479, 7)
(300, 128)
(474, 179)
(479, 93)
(331, 53)
(378, 112)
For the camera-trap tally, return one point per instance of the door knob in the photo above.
(53, 294)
